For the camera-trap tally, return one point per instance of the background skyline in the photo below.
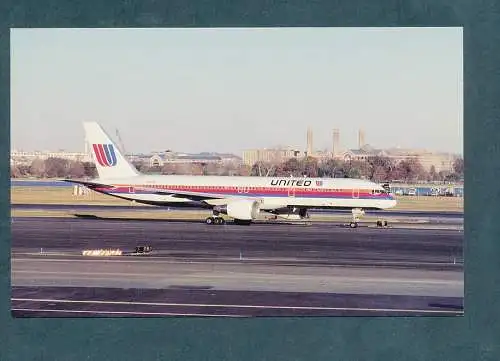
(228, 90)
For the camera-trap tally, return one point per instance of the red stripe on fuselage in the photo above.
(269, 191)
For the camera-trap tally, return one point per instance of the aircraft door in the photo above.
(355, 193)
(291, 191)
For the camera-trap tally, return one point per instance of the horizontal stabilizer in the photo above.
(88, 184)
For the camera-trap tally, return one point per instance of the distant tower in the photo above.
(87, 152)
(336, 142)
(309, 141)
(361, 139)
(122, 147)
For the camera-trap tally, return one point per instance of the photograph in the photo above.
(236, 172)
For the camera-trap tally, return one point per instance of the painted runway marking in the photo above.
(124, 312)
(232, 306)
(238, 276)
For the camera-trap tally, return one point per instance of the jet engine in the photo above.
(241, 209)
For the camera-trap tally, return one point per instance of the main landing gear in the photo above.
(215, 220)
(382, 224)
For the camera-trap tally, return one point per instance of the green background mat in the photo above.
(476, 336)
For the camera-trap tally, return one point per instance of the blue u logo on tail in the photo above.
(105, 154)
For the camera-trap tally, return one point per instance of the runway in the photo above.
(237, 271)
(115, 208)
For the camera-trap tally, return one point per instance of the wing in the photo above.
(88, 184)
(194, 196)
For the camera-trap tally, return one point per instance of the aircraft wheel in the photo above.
(353, 224)
(209, 220)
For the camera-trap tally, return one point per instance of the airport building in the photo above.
(439, 160)
(169, 157)
(274, 155)
(154, 159)
(25, 158)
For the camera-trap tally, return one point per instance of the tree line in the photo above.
(378, 169)
(54, 168)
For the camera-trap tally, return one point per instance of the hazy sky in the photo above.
(234, 89)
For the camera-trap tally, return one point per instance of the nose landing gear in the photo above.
(357, 213)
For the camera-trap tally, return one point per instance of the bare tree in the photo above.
(140, 165)
(14, 171)
(291, 167)
(56, 167)
(433, 175)
(379, 167)
(154, 169)
(76, 170)
(244, 170)
(24, 170)
(458, 166)
(195, 169)
(37, 168)
(411, 170)
(263, 169)
(309, 167)
(329, 168)
(212, 169)
(89, 169)
(379, 174)
(229, 169)
(168, 168)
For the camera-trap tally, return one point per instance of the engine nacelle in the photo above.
(241, 209)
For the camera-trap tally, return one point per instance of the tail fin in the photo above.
(109, 161)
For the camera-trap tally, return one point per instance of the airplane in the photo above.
(240, 198)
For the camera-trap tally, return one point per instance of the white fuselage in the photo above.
(272, 192)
